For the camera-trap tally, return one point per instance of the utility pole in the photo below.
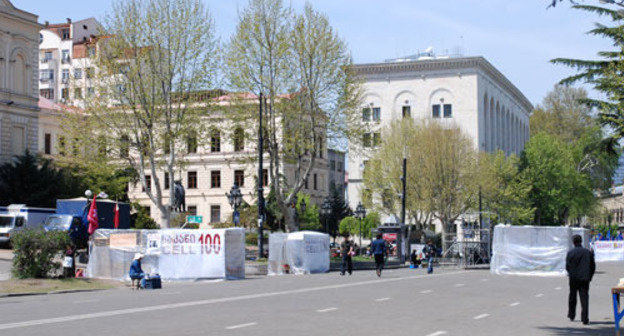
(403, 200)
(260, 181)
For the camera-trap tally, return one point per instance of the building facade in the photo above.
(19, 37)
(212, 168)
(65, 60)
(336, 171)
(467, 91)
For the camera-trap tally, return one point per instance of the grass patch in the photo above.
(50, 285)
(357, 258)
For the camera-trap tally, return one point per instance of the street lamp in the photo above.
(326, 210)
(235, 198)
(360, 213)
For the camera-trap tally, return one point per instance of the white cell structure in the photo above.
(467, 91)
(19, 33)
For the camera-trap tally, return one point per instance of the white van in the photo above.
(18, 216)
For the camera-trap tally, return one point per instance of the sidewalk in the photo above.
(6, 254)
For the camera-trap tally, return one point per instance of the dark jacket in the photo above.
(378, 246)
(135, 270)
(580, 264)
(429, 251)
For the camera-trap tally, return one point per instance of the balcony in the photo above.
(45, 80)
(66, 60)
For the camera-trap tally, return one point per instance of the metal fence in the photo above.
(467, 248)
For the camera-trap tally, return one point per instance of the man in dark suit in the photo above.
(581, 266)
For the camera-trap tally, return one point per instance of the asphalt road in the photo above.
(401, 302)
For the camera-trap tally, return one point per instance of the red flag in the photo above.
(116, 220)
(92, 217)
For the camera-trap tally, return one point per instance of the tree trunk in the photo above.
(290, 221)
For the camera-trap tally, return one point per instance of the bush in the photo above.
(141, 220)
(251, 238)
(34, 252)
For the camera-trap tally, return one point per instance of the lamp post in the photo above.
(326, 210)
(360, 213)
(260, 180)
(235, 198)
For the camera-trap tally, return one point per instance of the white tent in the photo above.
(530, 250)
(304, 252)
(175, 254)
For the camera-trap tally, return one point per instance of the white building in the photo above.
(65, 65)
(19, 32)
(468, 91)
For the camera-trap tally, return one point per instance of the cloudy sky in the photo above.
(519, 37)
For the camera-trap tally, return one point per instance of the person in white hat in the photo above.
(136, 272)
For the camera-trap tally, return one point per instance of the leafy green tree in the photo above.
(340, 210)
(308, 219)
(302, 67)
(351, 225)
(37, 182)
(558, 189)
(348, 225)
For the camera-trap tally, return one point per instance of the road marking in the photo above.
(238, 326)
(426, 291)
(169, 293)
(459, 285)
(382, 299)
(539, 295)
(557, 288)
(86, 301)
(110, 313)
(478, 317)
(326, 310)
(514, 304)
(438, 333)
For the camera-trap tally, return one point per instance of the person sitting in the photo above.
(136, 272)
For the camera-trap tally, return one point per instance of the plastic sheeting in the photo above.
(530, 250)
(304, 252)
(608, 250)
(174, 254)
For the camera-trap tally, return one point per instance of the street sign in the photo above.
(236, 217)
(194, 219)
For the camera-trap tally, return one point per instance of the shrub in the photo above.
(34, 252)
(251, 238)
(141, 220)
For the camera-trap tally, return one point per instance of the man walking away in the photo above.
(378, 250)
(346, 250)
(429, 251)
(581, 266)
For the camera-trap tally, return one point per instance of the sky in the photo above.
(518, 37)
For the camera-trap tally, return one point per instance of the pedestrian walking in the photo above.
(378, 250)
(429, 251)
(581, 266)
(346, 251)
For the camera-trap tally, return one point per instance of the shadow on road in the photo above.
(594, 328)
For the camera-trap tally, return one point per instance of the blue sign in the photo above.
(236, 217)
(194, 219)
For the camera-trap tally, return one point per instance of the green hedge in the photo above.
(34, 252)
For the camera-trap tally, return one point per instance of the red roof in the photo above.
(45, 103)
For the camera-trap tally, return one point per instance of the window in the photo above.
(124, 148)
(78, 73)
(61, 145)
(239, 178)
(332, 165)
(46, 75)
(65, 56)
(448, 111)
(215, 213)
(366, 114)
(75, 147)
(167, 182)
(90, 92)
(47, 93)
(407, 111)
(148, 183)
(89, 72)
(305, 183)
(315, 182)
(239, 140)
(366, 140)
(47, 147)
(65, 34)
(47, 56)
(65, 76)
(78, 93)
(215, 141)
(191, 180)
(435, 112)
(192, 210)
(376, 139)
(265, 177)
(148, 210)
(215, 179)
(376, 113)
(191, 143)
(339, 166)
(91, 51)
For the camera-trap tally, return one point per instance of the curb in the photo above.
(65, 291)
(6, 259)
